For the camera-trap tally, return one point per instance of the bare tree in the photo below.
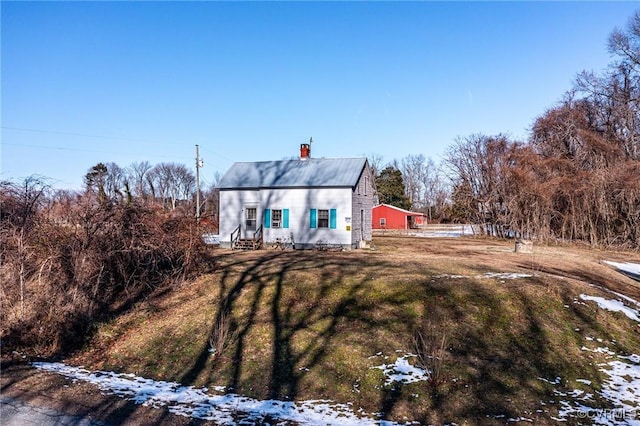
(20, 205)
(477, 166)
(626, 43)
(436, 191)
(615, 96)
(413, 169)
(171, 182)
(375, 163)
(114, 181)
(137, 173)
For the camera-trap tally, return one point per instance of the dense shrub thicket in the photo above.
(578, 177)
(69, 260)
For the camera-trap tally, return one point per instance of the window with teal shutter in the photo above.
(285, 218)
(267, 218)
(312, 218)
(333, 216)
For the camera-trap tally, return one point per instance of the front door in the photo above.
(249, 221)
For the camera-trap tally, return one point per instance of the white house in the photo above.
(308, 200)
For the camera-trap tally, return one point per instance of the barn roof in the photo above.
(407, 212)
(312, 172)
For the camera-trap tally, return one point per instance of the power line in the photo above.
(54, 132)
(61, 148)
(216, 153)
(84, 135)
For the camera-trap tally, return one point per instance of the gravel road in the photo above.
(18, 413)
(35, 398)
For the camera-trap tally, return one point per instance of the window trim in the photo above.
(251, 223)
(315, 219)
(276, 223)
(268, 218)
(321, 220)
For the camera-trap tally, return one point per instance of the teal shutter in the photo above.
(285, 218)
(313, 218)
(332, 218)
(267, 218)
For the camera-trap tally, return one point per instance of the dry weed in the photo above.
(219, 335)
(431, 350)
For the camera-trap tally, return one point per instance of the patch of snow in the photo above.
(612, 305)
(631, 268)
(599, 350)
(445, 231)
(621, 389)
(622, 386)
(402, 372)
(506, 276)
(496, 275)
(627, 298)
(228, 408)
(556, 381)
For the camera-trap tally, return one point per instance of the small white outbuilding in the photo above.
(308, 202)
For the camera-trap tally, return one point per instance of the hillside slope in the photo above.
(501, 335)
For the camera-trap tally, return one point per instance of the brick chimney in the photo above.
(305, 151)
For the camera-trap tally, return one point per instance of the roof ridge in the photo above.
(315, 172)
(305, 160)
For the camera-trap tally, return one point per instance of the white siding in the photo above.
(350, 228)
(299, 201)
(232, 205)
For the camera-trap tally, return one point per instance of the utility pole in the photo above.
(199, 164)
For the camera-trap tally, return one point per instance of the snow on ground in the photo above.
(401, 370)
(444, 231)
(614, 306)
(224, 408)
(628, 267)
(621, 388)
(496, 275)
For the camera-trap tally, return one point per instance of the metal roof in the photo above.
(312, 172)
(409, 213)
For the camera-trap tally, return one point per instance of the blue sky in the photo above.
(132, 81)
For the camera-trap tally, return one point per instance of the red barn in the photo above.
(391, 217)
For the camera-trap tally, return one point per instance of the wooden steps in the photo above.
(247, 244)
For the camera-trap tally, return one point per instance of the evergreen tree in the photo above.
(95, 180)
(391, 188)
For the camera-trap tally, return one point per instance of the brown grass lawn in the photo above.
(308, 324)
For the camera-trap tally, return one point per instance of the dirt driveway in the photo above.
(30, 396)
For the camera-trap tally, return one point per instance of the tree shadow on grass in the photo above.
(501, 343)
(297, 321)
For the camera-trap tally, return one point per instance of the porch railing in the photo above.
(235, 236)
(257, 236)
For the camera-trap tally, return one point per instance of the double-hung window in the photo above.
(250, 218)
(276, 218)
(323, 218)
